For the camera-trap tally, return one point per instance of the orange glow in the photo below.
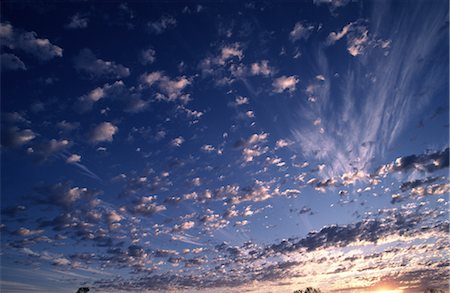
(388, 291)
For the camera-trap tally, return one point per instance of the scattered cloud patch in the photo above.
(87, 63)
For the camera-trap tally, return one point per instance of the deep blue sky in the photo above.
(224, 146)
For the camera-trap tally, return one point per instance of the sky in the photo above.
(224, 146)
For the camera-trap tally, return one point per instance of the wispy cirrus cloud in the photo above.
(353, 131)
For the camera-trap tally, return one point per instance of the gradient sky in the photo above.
(226, 146)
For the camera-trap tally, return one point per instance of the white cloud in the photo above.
(172, 89)
(333, 37)
(230, 51)
(357, 38)
(88, 63)
(261, 68)
(177, 142)
(283, 83)
(148, 56)
(103, 132)
(369, 127)
(300, 31)
(281, 143)
(145, 206)
(240, 100)
(257, 138)
(16, 39)
(184, 226)
(78, 21)
(27, 232)
(161, 25)
(73, 158)
(207, 148)
(15, 137)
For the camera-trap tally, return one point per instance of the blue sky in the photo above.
(214, 146)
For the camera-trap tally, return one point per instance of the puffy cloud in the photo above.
(164, 23)
(301, 31)
(184, 226)
(15, 137)
(283, 83)
(73, 158)
(148, 56)
(207, 148)
(434, 189)
(250, 153)
(103, 132)
(357, 37)
(225, 67)
(261, 68)
(177, 142)
(28, 42)
(63, 195)
(113, 216)
(240, 100)
(146, 207)
(78, 21)
(171, 89)
(86, 62)
(11, 62)
(257, 138)
(117, 91)
(45, 149)
(427, 162)
(281, 143)
(26, 232)
(228, 52)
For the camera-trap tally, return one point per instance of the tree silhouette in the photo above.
(83, 290)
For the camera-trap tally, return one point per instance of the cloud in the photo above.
(281, 143)
(240, 100)
(26, 232)
(428, 162)
(177, 142)
(358, 39)
(13, 137)
(301, 31)
(73, 158)
(148, 56)
(103, 132)
(86, 62)
(332, 4)
(63, 195)
(261, 68)
(146, 207)
(284, 83)
(28, 42)
(47, 148)
(356, 131)
(11, 62)
(78, 21)
(171, 89)
(225, 67)
(116, 90)
(184, 226)
(207, 148)
(164, 23)
(230, 51)
(418, 182)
